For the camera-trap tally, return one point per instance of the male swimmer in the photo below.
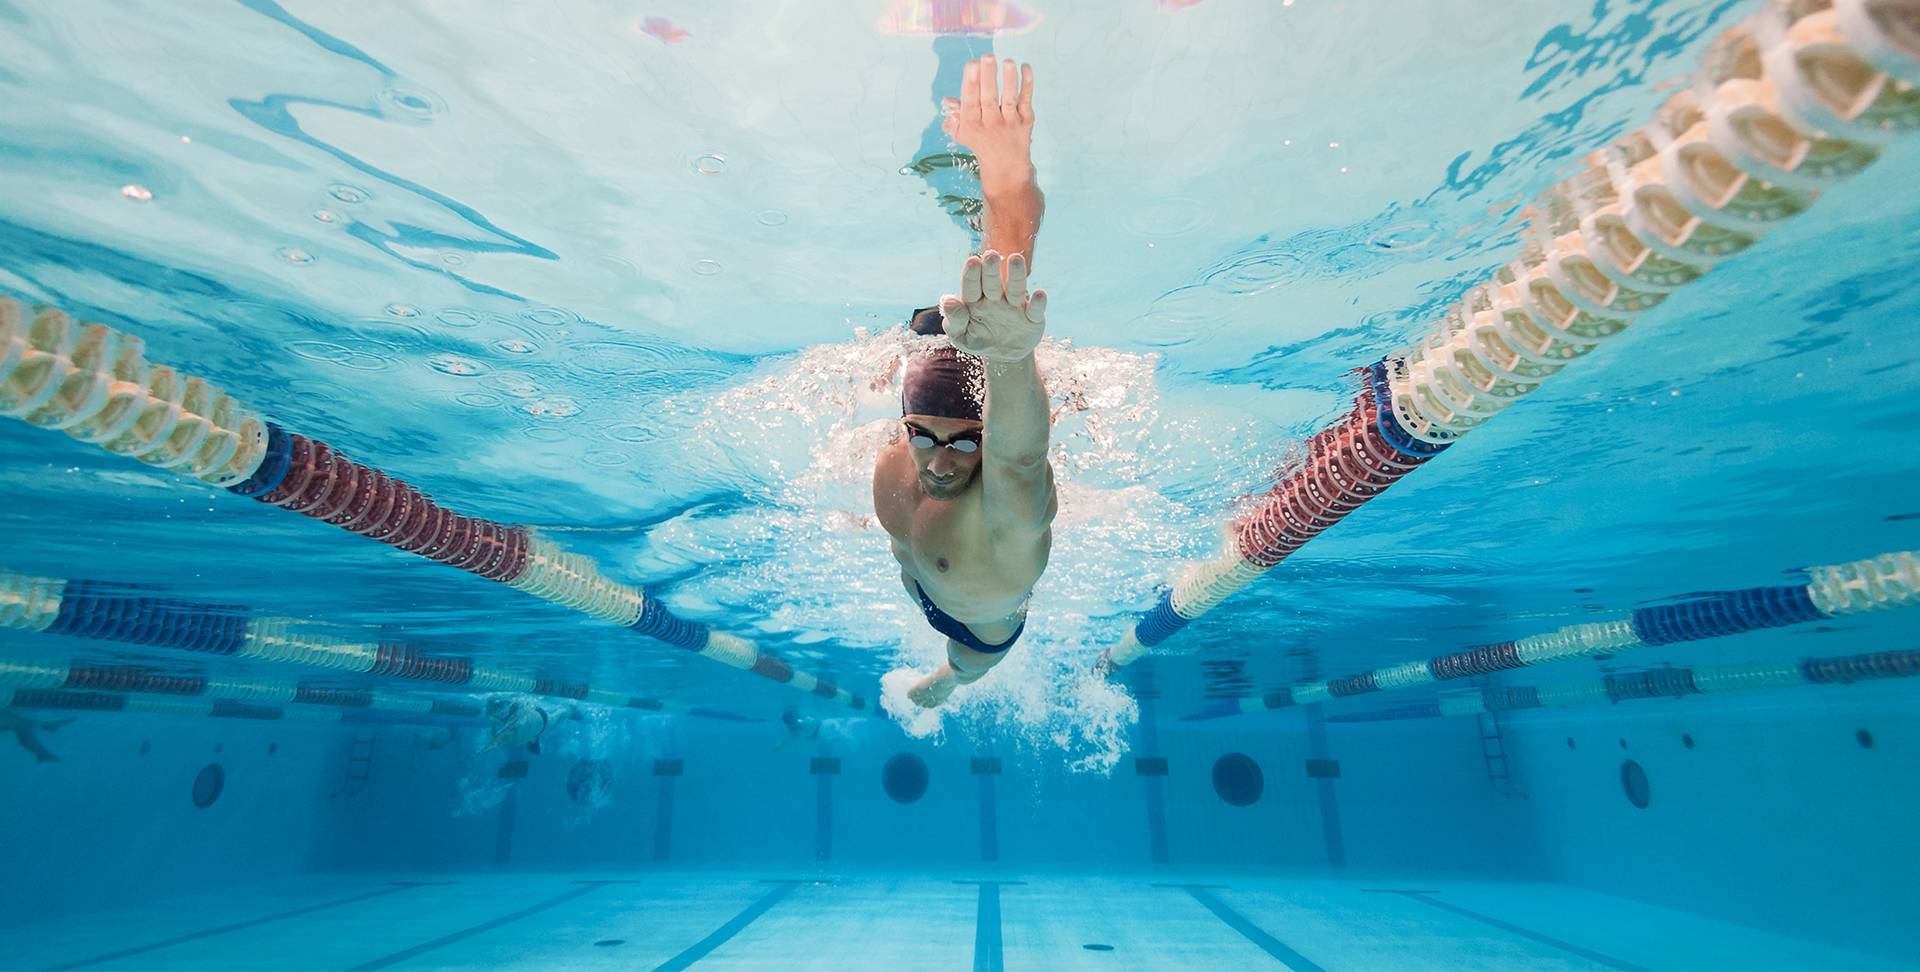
(965, 492)
(23, 730)
(523, 721)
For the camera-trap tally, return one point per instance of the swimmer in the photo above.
(518, 722)
(799, 728)
(966, 492)
(23, 730)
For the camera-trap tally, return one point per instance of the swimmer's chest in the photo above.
(967, 572)
(949, 540)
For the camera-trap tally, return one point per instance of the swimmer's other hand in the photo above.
(994, 317)
(994, 118)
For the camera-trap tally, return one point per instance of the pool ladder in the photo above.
(359, 763)
(1493, 752)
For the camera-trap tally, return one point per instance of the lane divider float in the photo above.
(89, 609)
(1796, 98)
(1890, 580)
(94, 384)
(1657, 683)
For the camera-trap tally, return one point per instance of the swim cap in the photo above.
(943, 382)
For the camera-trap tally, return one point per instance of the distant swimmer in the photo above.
(799, 728)
(24, 729)
(965, 492)
(522, 722)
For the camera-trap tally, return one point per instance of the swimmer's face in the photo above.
(945, 473)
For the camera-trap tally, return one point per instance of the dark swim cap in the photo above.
(941, 381)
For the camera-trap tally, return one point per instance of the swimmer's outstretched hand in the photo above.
(994, 317)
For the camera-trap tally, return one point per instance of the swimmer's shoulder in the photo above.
(894, 490)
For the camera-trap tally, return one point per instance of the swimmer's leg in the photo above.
(31, 743)
(964, 667)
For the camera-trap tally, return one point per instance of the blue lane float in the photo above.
(1887, 581)
(90, 609)
(1658, 683)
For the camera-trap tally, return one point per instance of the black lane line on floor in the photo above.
(445, 940)
(987, 953)
(1335, 842)
(503, 827)
(989, 819)
(391, 887)
(700, 949)
(823, 817)
(1154, 787)
(1248, 930)
(663, 820)
(1527, 933)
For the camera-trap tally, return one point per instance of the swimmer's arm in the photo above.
(1012, 219)
(892, 476)
(1015, 474)
(994, 118)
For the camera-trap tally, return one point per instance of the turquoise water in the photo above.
(632, 278)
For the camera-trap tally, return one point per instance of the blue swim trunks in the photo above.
(952, 627)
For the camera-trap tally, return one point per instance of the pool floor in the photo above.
(851, 919)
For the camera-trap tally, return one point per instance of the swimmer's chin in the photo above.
(944, 491)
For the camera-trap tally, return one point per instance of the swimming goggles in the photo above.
(920, 438)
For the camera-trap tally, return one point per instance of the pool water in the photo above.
(599, 307)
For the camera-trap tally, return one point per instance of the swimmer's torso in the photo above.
(947, 546)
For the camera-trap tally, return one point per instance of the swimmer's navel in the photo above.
(942, 564)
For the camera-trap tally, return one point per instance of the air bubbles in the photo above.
(706, 268)
(137, 193)
(455, 365)
(478, 399)
(608, 459)
(327, 216)
(558, 406)
(294, 255)
(713, 163)
(405, 312)
(453, 259)
(771, 217)
(351, 195)
(515, 346)
(551, 316)
(457, 317)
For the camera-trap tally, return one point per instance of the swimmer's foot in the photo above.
(934, 689)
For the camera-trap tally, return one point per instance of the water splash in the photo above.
(800, 554)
